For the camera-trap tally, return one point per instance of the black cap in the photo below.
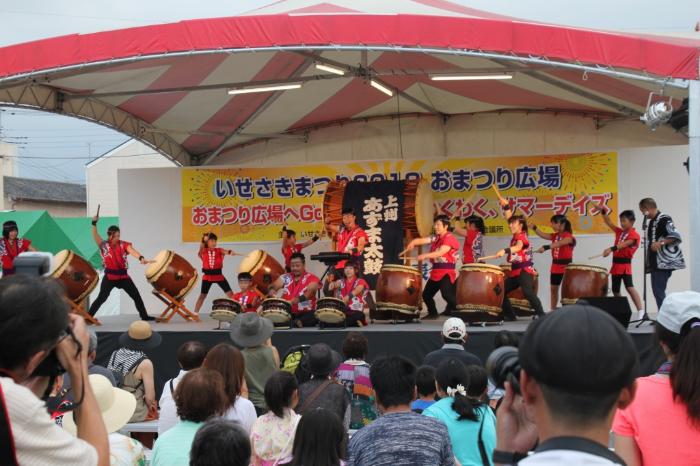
(322, 360)
(579, 349)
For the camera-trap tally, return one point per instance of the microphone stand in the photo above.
(645, 318)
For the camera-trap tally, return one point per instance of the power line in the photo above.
(74, 158)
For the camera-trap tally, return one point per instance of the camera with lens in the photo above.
(51, 367)
(503, 365)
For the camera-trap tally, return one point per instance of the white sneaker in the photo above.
(640, 314)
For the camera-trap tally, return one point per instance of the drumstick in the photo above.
(595, 257)
(495, 256)
(98, 211)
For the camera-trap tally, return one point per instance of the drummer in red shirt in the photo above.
(444, 250)
(212, 265)
(114, 253)
(12, 246)
(353, 291)
(290, 246)
(473, 239)
(247, 297)
(299, 288)
(627, 241)
(563, 244)
(350, 239)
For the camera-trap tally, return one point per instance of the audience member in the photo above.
(320, 440)
(33, 319)
(478, 383)
(454, 336)
(506, 338)
(322, 391)
(425, 385)
(666, 408)
(133, 369)
(252, 333)
(199, 396)
(92, 367)
(272, 436)
(220, 442)
(399, 436)
(228, 361)
(470, 423)
(190, 355)
(354, 375)
(578, 366)
(116, 406)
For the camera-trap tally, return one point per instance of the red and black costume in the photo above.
(473, 247)
(561, 257)
(347, 241)
(248, 300)
(621, 270)
(9, 250)
(212, 265)
(293, 287)
(114, 259)
(443, 275)
(521, 275)
(287, 252)
(354, 312)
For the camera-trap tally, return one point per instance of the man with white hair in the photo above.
(454, 336)
(92, 367)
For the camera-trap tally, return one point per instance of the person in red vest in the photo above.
(12, 246)
(353, 290)
(212, 263)
(473, 232)
(114, 254)
(350, 239)
(248, 298)
(299, 288)
(444, 251)
(290, 245)
(563, 244)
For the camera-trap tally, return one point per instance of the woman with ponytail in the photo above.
(470, 422)
(662, 425)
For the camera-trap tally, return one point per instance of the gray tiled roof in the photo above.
(44, 190)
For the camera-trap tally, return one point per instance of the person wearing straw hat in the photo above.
(252, 333)
(134, 370)
(116, 406)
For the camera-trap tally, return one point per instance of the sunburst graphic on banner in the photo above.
(201, 186)
(584, 173)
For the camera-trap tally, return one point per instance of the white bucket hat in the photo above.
(116, 405)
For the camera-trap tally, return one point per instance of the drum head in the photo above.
(399, 268)
(223, 315)
(60, 261)
(482, 268)
(330, 316)
(276, 315)
(161, 261)
(590, 268)
(424, 208)
(276, 303)
(252, 261)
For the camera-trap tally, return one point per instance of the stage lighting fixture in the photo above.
(469, 77)
(265, 88)
(381, 87)
(330, 69)
(658, 112)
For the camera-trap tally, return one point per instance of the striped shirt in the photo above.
(401, 439)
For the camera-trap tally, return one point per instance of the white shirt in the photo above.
(243, 412)
(168, 412)
(38, 440)
(565, 457)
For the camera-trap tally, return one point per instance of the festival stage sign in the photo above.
(251, 204)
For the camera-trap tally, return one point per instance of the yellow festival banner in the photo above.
(252, 204)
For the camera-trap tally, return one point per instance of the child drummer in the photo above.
(247, 297)
(626, 243)
(290, 246)
(353, 291)
(473, 232)
(562, 247)
(212, 264)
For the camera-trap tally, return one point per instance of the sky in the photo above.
(58, 147)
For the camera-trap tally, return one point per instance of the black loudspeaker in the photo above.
(617, 307)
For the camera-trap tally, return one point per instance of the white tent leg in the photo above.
(694, 183)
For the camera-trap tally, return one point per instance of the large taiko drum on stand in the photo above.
(76, 274)
(480, 291)
(398, 293)
(263, 267)
(171, 273)
(417, 209)
(521, 306)
(583, 281)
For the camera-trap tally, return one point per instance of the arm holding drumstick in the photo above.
(507, 211)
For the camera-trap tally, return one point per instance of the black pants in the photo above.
(526, 282)
(659, 280)
(126, 284)
(447, 290)
(307, 319)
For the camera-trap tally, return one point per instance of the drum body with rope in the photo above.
(76, 275)
(583, 281)
(398, 292)
(480, 291)
(225, 310)
(521, 306)
(330, 310)
(263, 267)
(171, 273)
(279, 311)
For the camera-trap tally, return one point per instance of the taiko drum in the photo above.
(171, 273)
(480, 291)
(583, 281)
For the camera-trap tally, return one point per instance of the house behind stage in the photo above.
(58, 199)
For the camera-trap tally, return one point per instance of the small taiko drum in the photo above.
(279, 311)
(480, 291)
(225, 310)
(330, 310)
(76, 274)
(521, 306)
(263, 267)
(171, 273)
(583, 281)
(398, 293)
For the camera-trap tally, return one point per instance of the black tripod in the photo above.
(645, 318)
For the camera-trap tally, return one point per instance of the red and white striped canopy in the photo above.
(167, 84)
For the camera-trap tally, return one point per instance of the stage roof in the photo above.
(167, 85)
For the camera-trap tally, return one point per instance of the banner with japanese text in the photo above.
(252, 204)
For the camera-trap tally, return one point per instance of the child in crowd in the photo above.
(473, 238)
(320, 440)
(627, 241)
(425, 384)
(248, 298)
(563, 244)
(212, 264)
(290, 246)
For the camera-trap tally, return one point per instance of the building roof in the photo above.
(43, 190)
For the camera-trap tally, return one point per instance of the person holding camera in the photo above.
(38, 340)
(574, 368)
